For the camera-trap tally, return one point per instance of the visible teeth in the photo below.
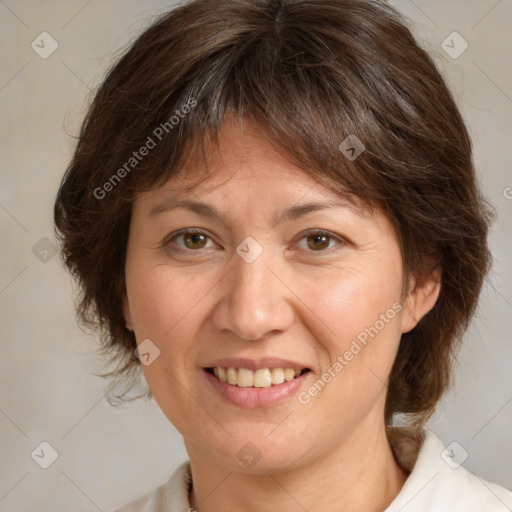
(232, 376)
(289, 374)
(223, 377)
(277, 375)
(261, 378)
(245, 378)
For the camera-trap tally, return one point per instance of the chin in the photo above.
(259, 455)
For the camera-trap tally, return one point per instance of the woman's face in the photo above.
(266, 285)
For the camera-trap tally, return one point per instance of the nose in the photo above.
(255, 300)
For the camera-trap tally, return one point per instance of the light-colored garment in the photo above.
(435, 483)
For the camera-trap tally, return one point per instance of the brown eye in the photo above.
(188, 239)
(194, 240)
(318, 241)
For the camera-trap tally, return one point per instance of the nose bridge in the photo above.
(252, 281)
(254, 300)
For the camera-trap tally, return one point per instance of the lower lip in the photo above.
(256, 397)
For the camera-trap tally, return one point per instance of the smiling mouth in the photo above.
(261, 378)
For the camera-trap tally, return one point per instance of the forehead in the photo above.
(240, 164)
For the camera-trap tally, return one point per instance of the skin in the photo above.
(299, 300)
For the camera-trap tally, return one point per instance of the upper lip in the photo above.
(256, 364)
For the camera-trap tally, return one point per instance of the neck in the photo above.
(360, 474)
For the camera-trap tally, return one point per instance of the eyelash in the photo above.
(197, 231)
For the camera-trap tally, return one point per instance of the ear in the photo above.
(127, 313)
(423, 294)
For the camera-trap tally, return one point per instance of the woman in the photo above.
(272, 211)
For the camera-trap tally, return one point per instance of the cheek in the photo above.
(160, 300)
(357, 313)
(352, 300)
(167, 310)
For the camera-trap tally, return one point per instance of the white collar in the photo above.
(437, 483)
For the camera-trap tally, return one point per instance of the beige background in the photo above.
(108, 456)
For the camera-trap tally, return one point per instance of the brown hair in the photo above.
(310, 73)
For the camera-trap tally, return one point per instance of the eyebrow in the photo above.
(288, 214)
